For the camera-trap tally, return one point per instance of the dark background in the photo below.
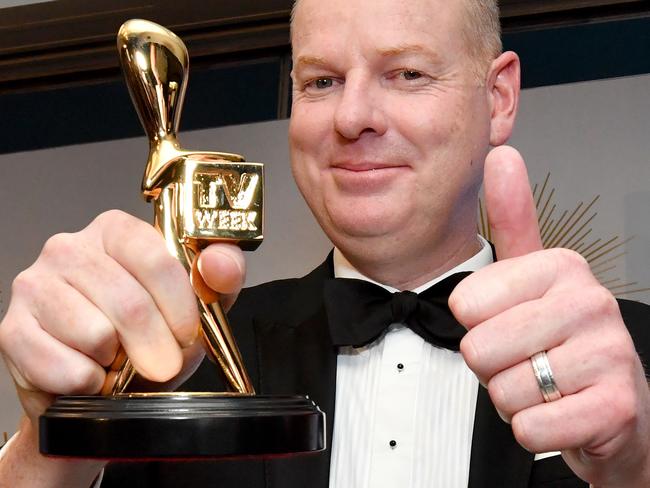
(60, 83)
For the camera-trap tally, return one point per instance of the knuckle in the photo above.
(135, 310)
(130, 225)
(160, 260)
(592, 305)
(25, 284)
(623, 411)
(605, 302)
(122, 233)
(568, 259)
(619, 346)
(111, 217)
(566, 262)
(118, 228)
(59, 246)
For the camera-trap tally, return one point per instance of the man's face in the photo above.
(390, 123)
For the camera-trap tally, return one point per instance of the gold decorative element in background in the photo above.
(572, 230)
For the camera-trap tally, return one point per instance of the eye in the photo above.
(409, 74)
(321, 83)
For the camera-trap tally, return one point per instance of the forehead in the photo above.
(343, 26)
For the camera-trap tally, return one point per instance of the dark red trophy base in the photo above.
(178, 426)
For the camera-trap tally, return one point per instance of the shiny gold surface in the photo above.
(216, 333)
(185, 394)
(155, 64)
(119, 374)
(199, 197)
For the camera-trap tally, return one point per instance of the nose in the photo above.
(359, 109)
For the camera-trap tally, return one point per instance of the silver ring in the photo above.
(544, 376)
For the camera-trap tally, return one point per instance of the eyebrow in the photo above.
(310, 61)
(384, 53)
(408, 49)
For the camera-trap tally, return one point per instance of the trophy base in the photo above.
(177, 426)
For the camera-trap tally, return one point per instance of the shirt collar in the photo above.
(344, 269)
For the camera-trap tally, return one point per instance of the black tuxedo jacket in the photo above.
(282, 331)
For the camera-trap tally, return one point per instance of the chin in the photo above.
(354, 222)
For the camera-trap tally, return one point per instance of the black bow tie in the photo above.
(358, 312)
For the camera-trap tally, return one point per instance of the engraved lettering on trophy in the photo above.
(223, 198)
(226, 219)
(239, 190)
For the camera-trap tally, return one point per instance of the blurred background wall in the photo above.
(71, 145)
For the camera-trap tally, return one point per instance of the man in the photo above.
(395, 108)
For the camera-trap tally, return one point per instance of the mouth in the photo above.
(361, 166)
(366, 177)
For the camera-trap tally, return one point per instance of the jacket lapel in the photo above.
(496, 457)
(299, 358)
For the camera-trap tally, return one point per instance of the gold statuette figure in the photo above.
(199, 197)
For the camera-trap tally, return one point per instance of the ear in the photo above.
(503, 90)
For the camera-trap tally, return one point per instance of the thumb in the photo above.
(219, 273)
(509, 202)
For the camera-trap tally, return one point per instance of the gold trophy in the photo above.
(199, 198)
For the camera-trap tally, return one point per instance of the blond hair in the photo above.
(482, 32)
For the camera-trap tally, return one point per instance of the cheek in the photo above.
(451, 140)
(446, 134)
(308, 125)
(305, 147)
(310, 139)
(424, 120)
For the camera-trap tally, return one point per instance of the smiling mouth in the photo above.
(361, 167)
(361, 178)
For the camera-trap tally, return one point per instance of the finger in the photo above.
(201, 288)
(141, 250)
(509, 202)
(223, 269)
(569, 423)
(504, 284)
(574, 369)
(71, 318)
(37, 361)
(192, 358)
(514, 335)
(142, 330)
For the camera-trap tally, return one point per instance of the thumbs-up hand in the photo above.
(535, 300)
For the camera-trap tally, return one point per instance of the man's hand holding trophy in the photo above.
(199, 198)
